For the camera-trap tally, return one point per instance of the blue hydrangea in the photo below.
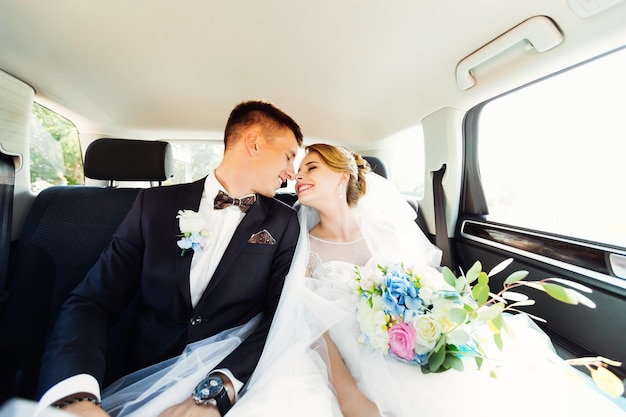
(400, 295)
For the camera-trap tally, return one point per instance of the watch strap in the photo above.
(223, 402)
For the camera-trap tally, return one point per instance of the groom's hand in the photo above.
(188, 408)
(85, 409)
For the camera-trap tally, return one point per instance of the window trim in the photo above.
(585, 258)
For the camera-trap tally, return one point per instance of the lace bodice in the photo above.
(335, 260)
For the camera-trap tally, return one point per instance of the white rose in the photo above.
(440, 313)
(190, 221)
(428, 331)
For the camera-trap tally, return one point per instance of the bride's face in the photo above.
(316, 183)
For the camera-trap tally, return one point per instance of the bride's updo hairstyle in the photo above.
(340, 159)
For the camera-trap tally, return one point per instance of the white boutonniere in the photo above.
(193, 231)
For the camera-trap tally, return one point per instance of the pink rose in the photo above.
(402, 338)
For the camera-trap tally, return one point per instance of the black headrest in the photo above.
(128, 160)
(376, 165)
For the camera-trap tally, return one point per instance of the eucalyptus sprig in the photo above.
(488, 306)
(481, 304)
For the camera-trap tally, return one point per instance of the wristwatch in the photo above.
(211, 390)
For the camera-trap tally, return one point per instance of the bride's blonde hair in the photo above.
(337, 160)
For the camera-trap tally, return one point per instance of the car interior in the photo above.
(457, 103)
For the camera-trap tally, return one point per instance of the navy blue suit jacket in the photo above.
(144, 260)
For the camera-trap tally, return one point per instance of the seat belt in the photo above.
(441, 227)
(7, 183)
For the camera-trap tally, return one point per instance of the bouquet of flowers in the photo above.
(428, 318)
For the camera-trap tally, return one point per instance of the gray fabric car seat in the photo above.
(64, 233)
(376, 165)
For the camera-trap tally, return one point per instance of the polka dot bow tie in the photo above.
(223, 200)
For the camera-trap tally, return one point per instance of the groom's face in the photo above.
(274, 162)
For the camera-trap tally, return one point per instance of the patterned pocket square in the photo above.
(263, 238)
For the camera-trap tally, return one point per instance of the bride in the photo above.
(313, 363)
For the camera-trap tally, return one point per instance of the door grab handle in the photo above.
(539, 31)
(618, 264)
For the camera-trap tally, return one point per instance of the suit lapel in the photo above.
(248, 226)
(188, 199)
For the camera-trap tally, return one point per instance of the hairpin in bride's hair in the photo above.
(351, 161)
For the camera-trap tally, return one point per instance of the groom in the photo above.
(182, 299)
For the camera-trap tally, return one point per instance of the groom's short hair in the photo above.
(258, 112)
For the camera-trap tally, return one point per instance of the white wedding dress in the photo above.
(293, 377)
(531, 378)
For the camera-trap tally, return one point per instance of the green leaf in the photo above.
(572, 284)
(560, 293)
(457, 315)
(523, 304)
(582, 299)
(607, 381)
(479, 361)
(480, 293)
(483, 278)
(497, 337)
(441, 343)
(514, 296)
(468, 308)
(476, 289)
(500, 267)
(497, 322)
(471, 312)
(448, 276)
(536, 318)
(436, 358)
(473, 272)
(533, 284)
(492, 327)
(460, 285)
(453, 362)
(515, 277)
(458, 336)
(491, 312)
(508, 329)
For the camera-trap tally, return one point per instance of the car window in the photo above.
(407, 170)
(551, 155)
(194, 159)
(55, 155)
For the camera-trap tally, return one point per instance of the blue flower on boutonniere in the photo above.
(193, 231)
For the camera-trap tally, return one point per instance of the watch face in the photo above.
(208, 388)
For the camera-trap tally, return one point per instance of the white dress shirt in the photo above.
(221, 225)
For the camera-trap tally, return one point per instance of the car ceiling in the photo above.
(352, 71)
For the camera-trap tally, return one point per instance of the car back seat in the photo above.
(64, 233)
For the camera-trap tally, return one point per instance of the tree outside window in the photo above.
(55, 155)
